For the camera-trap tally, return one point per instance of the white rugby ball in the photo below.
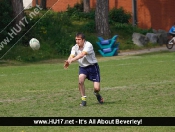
(34, 44)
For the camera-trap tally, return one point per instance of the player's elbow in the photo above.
(82, 55)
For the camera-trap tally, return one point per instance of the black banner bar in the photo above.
(87, 121)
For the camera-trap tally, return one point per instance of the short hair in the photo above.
(80, 35)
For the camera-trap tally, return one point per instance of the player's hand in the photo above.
(66, 64)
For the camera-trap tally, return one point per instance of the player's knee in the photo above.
(96, 89)
(81, 82)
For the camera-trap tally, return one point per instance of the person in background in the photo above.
(171, 34)
(172, 30)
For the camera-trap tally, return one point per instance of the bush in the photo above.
(5, 26)
(56, 32)
(78, 7)
(53, 33)
(90, 15)
(5, 14)
(89, 27)
(77, 13)
(119, 15)
(129, 29)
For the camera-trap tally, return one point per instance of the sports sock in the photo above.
(96, 93)
(83, 98)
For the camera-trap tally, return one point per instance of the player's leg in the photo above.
(96, 87)
(82, 78)
(95, 77)
(96, 92)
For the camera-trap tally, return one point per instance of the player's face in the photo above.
(79, 41)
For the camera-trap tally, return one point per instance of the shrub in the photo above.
(78, 7)
(5, 26)
(89, 27)
(5, 14)
(77, 13)
(52, 31)
(119, 15)
(129, 29)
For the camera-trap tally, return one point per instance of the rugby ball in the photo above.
(34, 44)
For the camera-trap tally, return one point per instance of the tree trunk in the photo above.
(86, 4)
(43, 4)
(37, 2)
(101, 18)
(18, 10)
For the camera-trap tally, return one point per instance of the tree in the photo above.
(101, 17)
(43, 4)
(5, 17)
(86, 5)
(37, 2)
(18, 10)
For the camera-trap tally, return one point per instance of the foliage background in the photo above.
(56, 32)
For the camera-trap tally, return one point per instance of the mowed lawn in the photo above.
(132, 86)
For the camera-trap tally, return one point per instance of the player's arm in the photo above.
(79, 56)
(70, 57)
(66, 62)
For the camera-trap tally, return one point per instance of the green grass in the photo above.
(132, 86)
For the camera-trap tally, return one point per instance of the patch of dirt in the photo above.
(135, 52)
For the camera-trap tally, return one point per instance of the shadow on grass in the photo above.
(105, 103)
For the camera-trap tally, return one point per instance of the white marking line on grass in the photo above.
(108, 88)
(63, 90)
(8, 100)
(146, 84)
(49, 71)
(16, 100)
(22, 73)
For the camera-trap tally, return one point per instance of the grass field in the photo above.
(132, 86)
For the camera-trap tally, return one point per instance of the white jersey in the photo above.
(89, 58)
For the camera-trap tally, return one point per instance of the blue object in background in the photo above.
(104, 42)
(108, 47)
(113, 38)
(107, 50)
(100, 39)
(112, 53)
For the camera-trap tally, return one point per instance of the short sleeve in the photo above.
(73, 51)
(88, 48)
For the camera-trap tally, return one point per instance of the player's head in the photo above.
(80, 38)
(80, 35)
